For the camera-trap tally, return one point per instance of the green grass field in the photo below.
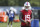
(39, 24)
(15, 24)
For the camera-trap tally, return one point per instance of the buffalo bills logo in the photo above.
(26, 3)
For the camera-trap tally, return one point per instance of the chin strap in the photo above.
(26, 9)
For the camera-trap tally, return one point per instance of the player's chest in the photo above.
(26, 13)
(11, 12)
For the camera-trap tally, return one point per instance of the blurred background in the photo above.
(17, 4)
(35, 3)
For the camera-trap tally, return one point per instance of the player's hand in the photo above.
(25, 21)
(28, 22)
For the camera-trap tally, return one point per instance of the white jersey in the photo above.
(10, 13)
(15, 11)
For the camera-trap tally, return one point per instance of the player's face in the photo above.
(26, 7)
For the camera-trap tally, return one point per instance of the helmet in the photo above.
(11, 8)
(26, 4)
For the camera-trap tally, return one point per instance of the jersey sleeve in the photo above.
(20, 17)
(30, 12)
(15, 11)
(21, 11)
(7, 12)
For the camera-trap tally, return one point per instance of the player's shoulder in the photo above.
(29, 10)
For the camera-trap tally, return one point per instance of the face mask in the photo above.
(26, 9)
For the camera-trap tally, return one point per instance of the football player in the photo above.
(11, 15)
(25, 15)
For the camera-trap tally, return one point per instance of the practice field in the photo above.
(15, 24)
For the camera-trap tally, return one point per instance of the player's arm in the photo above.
(20, 17)
(7, 12)
(31, 17)
(14, 15)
